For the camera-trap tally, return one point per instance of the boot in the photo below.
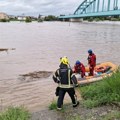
(76, 104)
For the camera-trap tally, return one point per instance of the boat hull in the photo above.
(101, 70)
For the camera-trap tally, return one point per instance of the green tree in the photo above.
(28, 19)
(50, 18)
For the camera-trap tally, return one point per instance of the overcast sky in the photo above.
(35, 7)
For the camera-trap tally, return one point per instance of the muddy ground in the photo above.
(79, 113)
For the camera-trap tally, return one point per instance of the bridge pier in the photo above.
(76, 19)
(72, 19)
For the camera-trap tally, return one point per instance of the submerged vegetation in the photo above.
(6, 49)
(104, 92)
(15, 113)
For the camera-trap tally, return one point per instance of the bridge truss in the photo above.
(96, 8)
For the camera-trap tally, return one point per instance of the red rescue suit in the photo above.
(92, 63)
(80, 69)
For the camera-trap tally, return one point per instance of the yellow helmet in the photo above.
(60, 59)
(64, 60)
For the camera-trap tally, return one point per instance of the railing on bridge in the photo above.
(91, 6)
(96, 8)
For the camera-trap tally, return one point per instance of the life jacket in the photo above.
(79, 68)
(102, 69)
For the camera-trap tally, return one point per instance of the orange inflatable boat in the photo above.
(101, 70)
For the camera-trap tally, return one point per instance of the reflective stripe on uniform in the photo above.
(69, 77)
(54, 76)
(66, 86)
(57, 72)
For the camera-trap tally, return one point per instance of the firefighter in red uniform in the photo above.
(91, 62)
(79, 68)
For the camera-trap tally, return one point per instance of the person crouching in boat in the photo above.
(66, 81)
(79, 68)
(91, 62)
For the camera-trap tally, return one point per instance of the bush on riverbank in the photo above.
(4, 20)
(28, 19)
(104, 92)
(51, 18)
(15, 113)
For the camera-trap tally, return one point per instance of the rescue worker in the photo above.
(66, 81)
(91, 62)
(79, 68)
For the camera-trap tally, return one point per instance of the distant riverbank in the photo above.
(84, 21)
(104, 22)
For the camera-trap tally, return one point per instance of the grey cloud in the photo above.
(45, 7)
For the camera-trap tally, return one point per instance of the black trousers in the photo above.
(62, 92)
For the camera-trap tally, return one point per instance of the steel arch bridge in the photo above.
(96, 8)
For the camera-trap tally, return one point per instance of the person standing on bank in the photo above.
(91, 62)
(66, 81)
(67, 61)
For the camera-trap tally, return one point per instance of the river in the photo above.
(38, 47)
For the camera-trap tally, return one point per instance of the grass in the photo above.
(15, 113)
(53, 105)
(103, 92)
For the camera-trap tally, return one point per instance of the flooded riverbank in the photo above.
(33, 93)
(38, 47)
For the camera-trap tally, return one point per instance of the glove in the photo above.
(76, 85)
(57, 91)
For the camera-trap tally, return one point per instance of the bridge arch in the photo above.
(95, 8)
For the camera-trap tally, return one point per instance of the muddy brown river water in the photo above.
(38, 47)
